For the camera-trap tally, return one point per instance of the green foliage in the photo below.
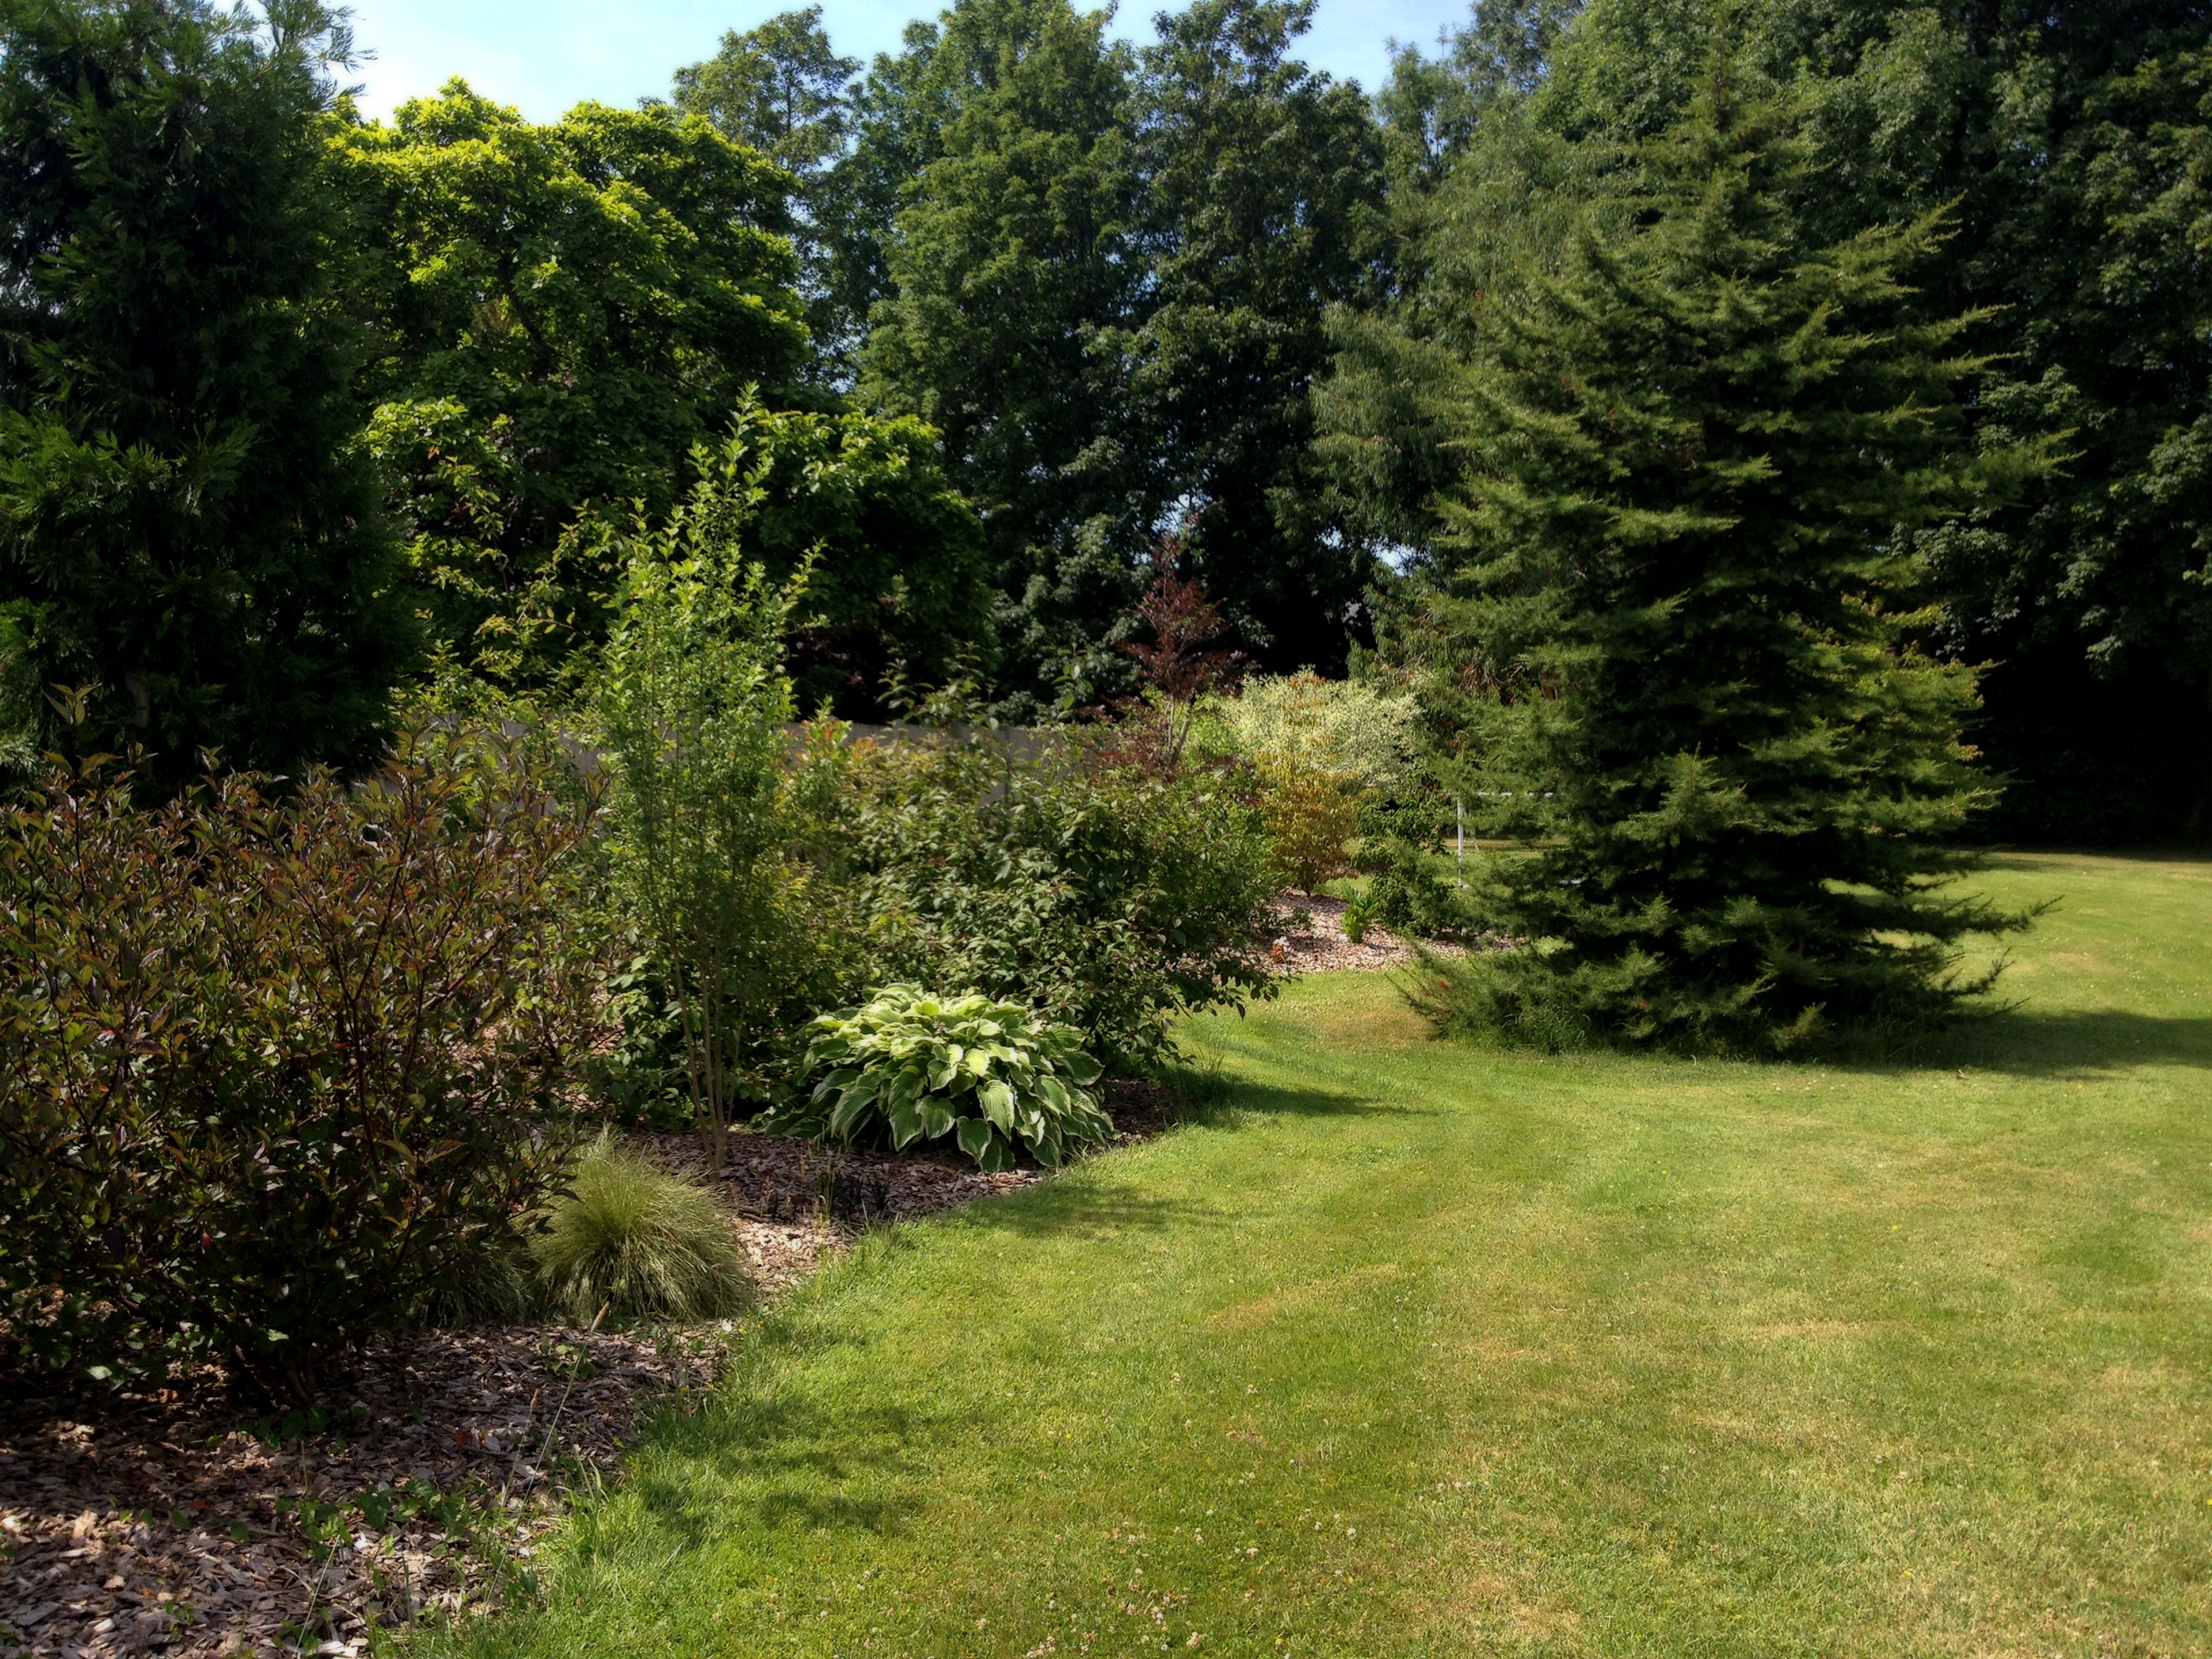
(693, 705)
(278, 1070)
(895, 581)
(1106, 286)
(1335, 764)
(907, 1066)
(1261, 206)
(781, 89)
(1347, 726)
(565, 311)
(628, 1239)
(1311, 813)
(1111, 901)
(1673, 564)
(1359, 916)
(1014, 247)
(186, 520)
(2068, 145)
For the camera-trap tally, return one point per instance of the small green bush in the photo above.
(1482, 998)
(639, 1242)
(908, 1066)
(1413, 881)
(1311, 814)
(1358, 917)
(1108, 898)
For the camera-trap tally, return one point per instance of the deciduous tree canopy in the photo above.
(187, 523)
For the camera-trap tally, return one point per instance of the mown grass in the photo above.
(1415, 1350)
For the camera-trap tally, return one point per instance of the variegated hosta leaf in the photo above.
(906, 1127)
(847, 1114)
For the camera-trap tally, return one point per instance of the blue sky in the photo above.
(546, 55)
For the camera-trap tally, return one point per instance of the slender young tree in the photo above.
(694, 711)
(1692, 445)
(186, 520)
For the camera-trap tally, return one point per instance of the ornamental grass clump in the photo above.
(638, 1243)
(909, 1067)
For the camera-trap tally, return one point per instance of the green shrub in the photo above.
(638, 1243)
(1358, 917)
(1490, 997)
(1413, 884)
(1342, 727)
(1111, 899)
(1311, 814)
(908, 1066)
(709, 805)
(275, 1073)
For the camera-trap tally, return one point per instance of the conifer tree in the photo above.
(1675, 556)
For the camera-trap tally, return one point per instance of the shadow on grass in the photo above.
(775, 1461)
(1074, 1207)
(1266, 1100)
(2023, 1042)
(2037, 859)
(1079, 1205)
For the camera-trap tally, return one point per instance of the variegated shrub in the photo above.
(907, 1066)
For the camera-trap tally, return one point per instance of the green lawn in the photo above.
(1418, 1350)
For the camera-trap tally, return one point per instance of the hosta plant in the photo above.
(908, 1066)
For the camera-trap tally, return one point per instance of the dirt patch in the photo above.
(154, 1523)
(1312, 939)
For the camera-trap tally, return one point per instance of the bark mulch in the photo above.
(169, 1521)
(1312, 941)
(173, 1522)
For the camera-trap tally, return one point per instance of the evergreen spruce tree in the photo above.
(1676, 560)
(186, 519)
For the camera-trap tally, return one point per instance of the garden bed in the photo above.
(156, 1522)
(1312, 941)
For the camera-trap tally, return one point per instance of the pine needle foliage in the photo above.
(1691, 442)
(639, 1242)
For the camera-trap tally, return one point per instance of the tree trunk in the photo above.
(2200, 814)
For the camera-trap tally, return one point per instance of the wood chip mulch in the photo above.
(1312, 939)
(167, 1522)
(171, 1522)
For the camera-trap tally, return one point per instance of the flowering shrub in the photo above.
(909, 1067)
(1345, 728)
